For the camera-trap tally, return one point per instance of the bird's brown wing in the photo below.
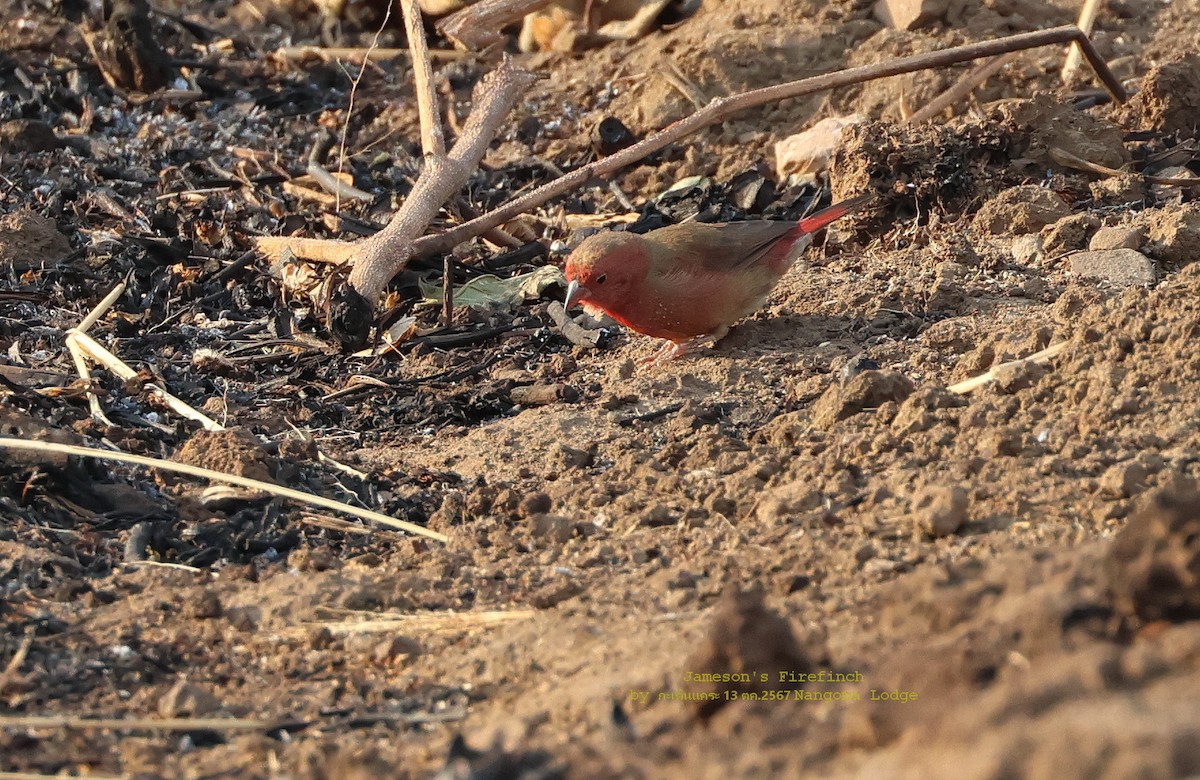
(725, 247)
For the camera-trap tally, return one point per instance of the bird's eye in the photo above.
(601, 278)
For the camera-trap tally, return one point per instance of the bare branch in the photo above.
(721, 108)
(433, 141)
(382, 255)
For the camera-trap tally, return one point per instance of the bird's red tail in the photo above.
(825, 216)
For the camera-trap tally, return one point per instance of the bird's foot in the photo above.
(675, 349)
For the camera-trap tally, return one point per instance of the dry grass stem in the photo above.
(1037, 358)
(961, 89)
(1087, 20)
(217, 476)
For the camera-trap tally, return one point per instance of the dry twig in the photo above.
(961, 88)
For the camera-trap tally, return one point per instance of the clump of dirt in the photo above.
(28, 239)
(1020, 210)
(1168, 100)
(1154, 563)
(749, 649)
(231, 451)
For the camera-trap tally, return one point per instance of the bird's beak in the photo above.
(572, 294)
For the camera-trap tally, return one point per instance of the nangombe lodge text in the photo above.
(798, 694)
(790, 678)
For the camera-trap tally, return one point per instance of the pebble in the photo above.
(1124, 267)
(186, 700)
(1117, 238)
(868, 390)
(534, 503)
(910, 14)
(1028, 249)
(1123, 480)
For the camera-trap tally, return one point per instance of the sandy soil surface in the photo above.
(802, 552)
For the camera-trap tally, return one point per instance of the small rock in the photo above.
(1028, 249)
(1170, 193)
(534, 503)
(207, 606)
(868, 390)
(29, 239)
(186, 700)
(1123, 480)
(807, 154)
(1014, 377)
(946, 293)
(1117, 238)
(1019, 210)
(941, 510)
(244, 618)
(565, 458)
(554, 594)
(1123, 267)
(659, 515)
(542, 395)
(855, 366)
(553, 528)
(910, 14)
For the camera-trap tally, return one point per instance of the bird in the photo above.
(687, 284)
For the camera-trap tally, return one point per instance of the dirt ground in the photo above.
(802, 552)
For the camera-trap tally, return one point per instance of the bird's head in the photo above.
(604, 271)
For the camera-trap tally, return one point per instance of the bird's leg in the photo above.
(674, 349)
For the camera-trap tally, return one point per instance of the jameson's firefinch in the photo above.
(689, 283)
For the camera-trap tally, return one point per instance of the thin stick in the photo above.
(433, 141)
(1037, 358)
(1087, 20)
(720, 108)
(34, 775)
(961, 88)
(425, 622)
(387, 14)
(217, 476)
(160, 724)
(1074, 161)
(447, 291)
(15, 662)
(369, 54)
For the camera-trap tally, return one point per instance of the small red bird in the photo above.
(689, 283)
